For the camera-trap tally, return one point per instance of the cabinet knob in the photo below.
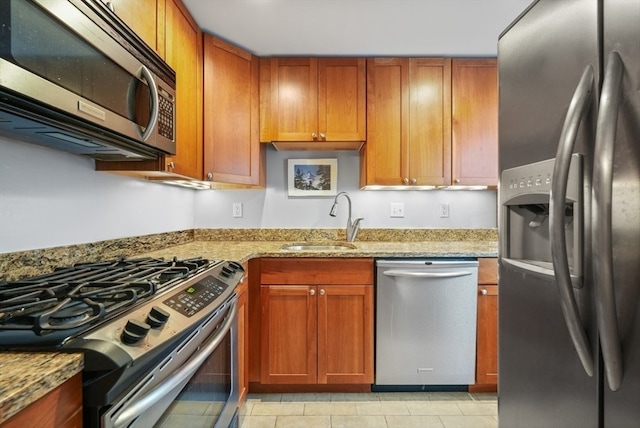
(111, 7)
(171, 165)
(323, 136)
(312, 292)
(414, 181)
(405, 180)
(322, 291)
(457, 181)
(484, 292)
(314, 135)
(210, 176)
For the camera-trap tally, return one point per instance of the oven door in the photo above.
(179, 390)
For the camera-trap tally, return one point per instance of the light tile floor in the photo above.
(371, 410)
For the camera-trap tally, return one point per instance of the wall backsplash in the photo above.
(50, 198)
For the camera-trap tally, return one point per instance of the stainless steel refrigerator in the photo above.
(569, 219)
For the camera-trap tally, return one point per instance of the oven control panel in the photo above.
(194, 298)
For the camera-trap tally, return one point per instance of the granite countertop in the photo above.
(27, 376)
(244, 250)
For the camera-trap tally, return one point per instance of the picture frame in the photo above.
(312, 177)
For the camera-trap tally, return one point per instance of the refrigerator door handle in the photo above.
(610, 99)
(557, 201)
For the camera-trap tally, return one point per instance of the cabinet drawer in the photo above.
(488, 271)
(301, 270)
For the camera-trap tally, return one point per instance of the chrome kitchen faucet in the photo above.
(352, 227)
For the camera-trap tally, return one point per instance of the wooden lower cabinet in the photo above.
(60, 408)
(243, 336)
(487, 334)
(316, 325)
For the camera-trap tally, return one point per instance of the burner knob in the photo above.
(157, 317)
(236, 266)
(227, 272)
(134, 331)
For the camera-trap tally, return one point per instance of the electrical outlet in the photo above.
(444, 210)
(396, 209)
(237, 209)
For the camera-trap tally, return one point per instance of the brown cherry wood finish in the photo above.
(314, 100)
(408, 122)
(316, 322)
(475, 122)
(232, 150)
(345, 334)
(143, 17)
(184, 47)
(60, 408)
(487, 328)
(243, 335)
(342, 99)
(289, 334)
(294, 99)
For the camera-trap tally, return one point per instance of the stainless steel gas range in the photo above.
(154, 333)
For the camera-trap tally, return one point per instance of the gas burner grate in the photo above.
(85, 293)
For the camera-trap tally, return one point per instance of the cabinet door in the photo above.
(232, 150)
(288, 334)
(487, 342)
(243, 337)
(429, 148)
(60, 408)
(294, 99)
(345, 334)
(141, 16)
(385, 154)
(184, 55)
(342, 99)
(475, 122)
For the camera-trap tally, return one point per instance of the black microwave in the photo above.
(74, 77)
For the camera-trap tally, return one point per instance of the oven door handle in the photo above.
(184, 373)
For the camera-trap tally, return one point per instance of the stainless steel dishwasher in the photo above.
(425, 323)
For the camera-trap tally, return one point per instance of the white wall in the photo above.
(50, 198)
(273, 208)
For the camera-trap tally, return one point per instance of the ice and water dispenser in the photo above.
(525, 194)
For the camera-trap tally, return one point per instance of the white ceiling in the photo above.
(359, 27)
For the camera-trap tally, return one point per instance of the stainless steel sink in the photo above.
(318, 246)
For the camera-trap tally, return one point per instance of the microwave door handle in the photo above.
(155, 103)
(557, 200)
(419, 274)
(184, 373)
(610, 99)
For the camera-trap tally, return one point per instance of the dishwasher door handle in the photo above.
(422, 274)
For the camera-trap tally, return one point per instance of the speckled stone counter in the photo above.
(242, 251)
(241, 244)
(26, 377)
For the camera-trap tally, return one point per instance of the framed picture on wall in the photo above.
(313, 177)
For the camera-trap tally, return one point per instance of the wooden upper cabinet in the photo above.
(342, 99)
(142, 16)
(316, 100)
(184, 54)
(475, 122)
(232, 150)
(408, 122)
